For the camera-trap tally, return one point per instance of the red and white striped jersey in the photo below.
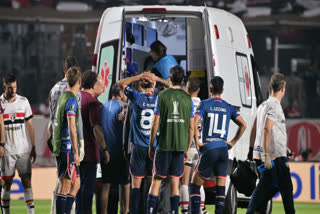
(15, 114)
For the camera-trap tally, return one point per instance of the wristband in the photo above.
(2, 144)
(105, 149)
(266, 155)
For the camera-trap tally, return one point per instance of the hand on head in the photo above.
(150, 77)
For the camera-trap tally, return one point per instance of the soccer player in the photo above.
(174, 114)
(65, 143)
(143, 104)
(54, 95)
(2, 135)
(193, 89)
(269, 127)
(18, 152)
(216, 115)
(117, 170)
(93, 139)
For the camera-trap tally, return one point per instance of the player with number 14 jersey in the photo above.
(216, 115)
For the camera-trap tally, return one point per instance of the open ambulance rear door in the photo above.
(107, 53)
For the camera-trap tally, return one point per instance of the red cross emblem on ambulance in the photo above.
(246, 75)
(104, 74)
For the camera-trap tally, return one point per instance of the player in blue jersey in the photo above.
(65, 143)
(216, 115)
(143, 104)
(116, 172)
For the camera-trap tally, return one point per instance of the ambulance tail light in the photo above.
(97, 32)
(248, 39)
(216, 31)
(94, 60)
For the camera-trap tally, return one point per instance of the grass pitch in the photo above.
(43, 207)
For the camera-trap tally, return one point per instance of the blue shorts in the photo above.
(65, 165)
(214, 160)
(116, 171)
(140, 164)
(168, 163)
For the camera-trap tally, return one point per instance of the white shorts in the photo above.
(9, 164)
(193, 157)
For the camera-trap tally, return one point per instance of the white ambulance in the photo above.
(205, 41)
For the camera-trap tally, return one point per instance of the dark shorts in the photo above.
(66, 167)
(116, 171)
(214, 160)
(140, 163)
(168, 163)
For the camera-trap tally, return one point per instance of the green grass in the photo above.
(43, 207)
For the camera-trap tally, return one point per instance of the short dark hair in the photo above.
(146, 84)
(115, 89)
(177, 74)
(194, 84)
(9, 78)
(89, 78)
(73, 75)
(277, 82)
(69, 62)
(217, 85)
(159, 48)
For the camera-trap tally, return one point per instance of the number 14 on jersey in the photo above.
(213, 128)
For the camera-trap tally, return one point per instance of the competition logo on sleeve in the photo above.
(73, 107)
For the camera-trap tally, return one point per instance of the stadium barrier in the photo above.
(305, 178)
(43, 184)
(302, 134)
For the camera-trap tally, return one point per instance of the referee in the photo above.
(270, 129)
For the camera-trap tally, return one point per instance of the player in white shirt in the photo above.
(2, 134)
(19, 152)
(193, 89)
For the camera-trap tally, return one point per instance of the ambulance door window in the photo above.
(244, 79)
(256, 79)
(107, 67)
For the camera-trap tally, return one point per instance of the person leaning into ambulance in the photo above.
(269, 127)
(162, 62)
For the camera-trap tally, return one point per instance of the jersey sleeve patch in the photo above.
(234, 113)
(192, 110)
(71, 107)
(130, 93)
(200, 109)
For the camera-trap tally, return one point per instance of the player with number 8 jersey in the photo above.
(143, 104)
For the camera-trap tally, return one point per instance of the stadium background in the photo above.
(36, 35)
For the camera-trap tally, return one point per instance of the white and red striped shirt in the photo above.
(15, 114)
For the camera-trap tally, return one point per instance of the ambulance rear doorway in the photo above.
(182, 35)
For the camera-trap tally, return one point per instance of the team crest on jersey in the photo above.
(12, 117)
